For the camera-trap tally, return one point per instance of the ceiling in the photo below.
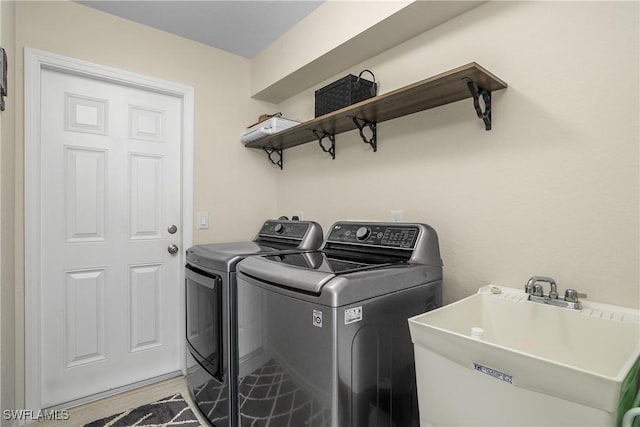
(241, 27)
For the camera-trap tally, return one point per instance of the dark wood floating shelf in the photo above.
(468, 81)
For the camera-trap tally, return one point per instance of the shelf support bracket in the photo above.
(477, 92)
(270, 152)
(320, 135)
(360, 124)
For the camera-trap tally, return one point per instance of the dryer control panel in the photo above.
(305, 235)
(289, 229)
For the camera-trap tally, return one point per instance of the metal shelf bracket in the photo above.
(476, 93)
(360, 124)
(270, 152)
(320, 135)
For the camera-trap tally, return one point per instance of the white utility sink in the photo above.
(537, 364)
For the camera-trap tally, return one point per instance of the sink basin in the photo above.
(582, 357)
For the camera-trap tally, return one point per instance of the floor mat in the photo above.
(170, 411)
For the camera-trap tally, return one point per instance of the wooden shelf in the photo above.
(432, 92)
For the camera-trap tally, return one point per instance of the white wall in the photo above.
(552, 190)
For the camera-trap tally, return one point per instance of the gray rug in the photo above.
(170, 411)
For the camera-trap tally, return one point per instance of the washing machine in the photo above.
(330, 342)
(212, 301)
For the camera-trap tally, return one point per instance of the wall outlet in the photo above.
(298, 214)
(203, 220)
(396, 215)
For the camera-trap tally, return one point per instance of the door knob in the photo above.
(172, 249)
(172, 229)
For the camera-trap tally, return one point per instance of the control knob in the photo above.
(279, 228)
(363, 233)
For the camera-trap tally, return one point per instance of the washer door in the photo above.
(204, 319)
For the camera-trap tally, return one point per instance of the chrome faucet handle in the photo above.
(538, 290)
(571, 295)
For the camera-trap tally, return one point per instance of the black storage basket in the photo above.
(344, 92)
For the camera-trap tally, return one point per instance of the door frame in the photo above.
(35, 61)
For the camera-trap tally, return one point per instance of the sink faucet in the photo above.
(536, 293)
(531, 287)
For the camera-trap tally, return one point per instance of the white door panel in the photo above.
(110, 188)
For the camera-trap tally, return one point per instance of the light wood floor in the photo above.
(84, 414)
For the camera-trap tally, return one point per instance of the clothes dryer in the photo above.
(213, 328)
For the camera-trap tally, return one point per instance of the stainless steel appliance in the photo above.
(330, 343)
(212, 303)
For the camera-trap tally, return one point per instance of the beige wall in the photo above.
(339, 34)
(323, 31)
(552, 189)
(7, 206)
(224, 169)
(225, 173)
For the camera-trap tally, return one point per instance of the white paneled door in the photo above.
(110, 288)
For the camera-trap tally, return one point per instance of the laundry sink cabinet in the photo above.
(536, 364)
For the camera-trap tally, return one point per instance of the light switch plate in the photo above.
(203, 220)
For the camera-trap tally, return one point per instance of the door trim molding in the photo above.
(34, 62)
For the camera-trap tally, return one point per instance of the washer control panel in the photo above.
(390, 235)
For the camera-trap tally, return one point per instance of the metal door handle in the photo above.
(172, 229)
(172, 249)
